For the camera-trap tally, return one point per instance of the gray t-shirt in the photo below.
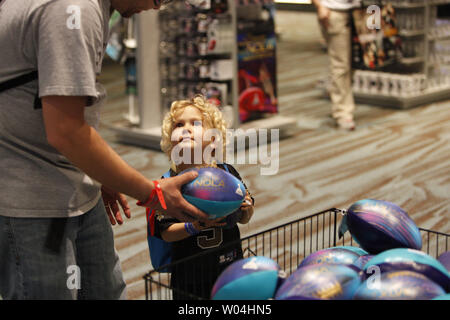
(65, 41)
(341, 4)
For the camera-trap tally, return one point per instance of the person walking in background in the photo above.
(335, 22)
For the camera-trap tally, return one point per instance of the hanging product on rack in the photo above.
(256, 59)
(195, 51)
(379, 46)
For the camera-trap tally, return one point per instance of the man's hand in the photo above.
(323, 15)
(177, 206)
(112, 200)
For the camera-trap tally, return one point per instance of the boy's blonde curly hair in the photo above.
(212, 118)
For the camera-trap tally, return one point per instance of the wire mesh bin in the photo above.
(288, 245)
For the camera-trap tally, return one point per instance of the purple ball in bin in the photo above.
(444, 259)
(356, 250)
(254, 278)
(443, 297)
(380, 225)
(330, 256)
(398, 285)
(412, 260)
(320, 281)
(214, 191)
(363, 260)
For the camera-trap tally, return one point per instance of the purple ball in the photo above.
(413, 260)
(378, 226)
(330, 256)
(214, 191)
(254, 278)
(362, 260)
(320, 281)
(444, 259)
(398, 285)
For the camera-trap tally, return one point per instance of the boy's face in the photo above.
(188, 129)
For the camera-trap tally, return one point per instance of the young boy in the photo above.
(186, 121)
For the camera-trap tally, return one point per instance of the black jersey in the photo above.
(198, 275)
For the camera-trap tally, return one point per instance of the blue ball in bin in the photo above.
(412, 260)
(378, 225)
(399, 285)
(445, 260)
(254, 278)
(330, 256)
(443, 297)
(363, 260)
(320, 281)
(356, 250)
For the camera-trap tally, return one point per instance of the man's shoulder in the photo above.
(34, 10)
(36, 4)
(62, 8)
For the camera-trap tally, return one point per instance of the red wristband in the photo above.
(160, 194)
(151, 199)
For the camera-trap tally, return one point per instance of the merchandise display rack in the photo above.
(154, 70)
(420, 77)
(287, 244)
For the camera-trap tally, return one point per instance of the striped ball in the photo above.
(330, 256)
(380, 225)
(398, 285)
(254, 278)
(412, 260)
(320, 281)
(214, 191)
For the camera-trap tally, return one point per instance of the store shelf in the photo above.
(411, 33)
(408, 5)
(439, 2)
(129, 134)
(425, 97)
(410, 61)
(423, 64)
(439, 34)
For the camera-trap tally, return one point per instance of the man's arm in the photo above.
(82, 145)
(323, 12)
(68, 133)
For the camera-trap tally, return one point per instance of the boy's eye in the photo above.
(198, 123)
(178, 125)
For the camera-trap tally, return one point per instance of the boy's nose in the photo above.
(187, 128)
